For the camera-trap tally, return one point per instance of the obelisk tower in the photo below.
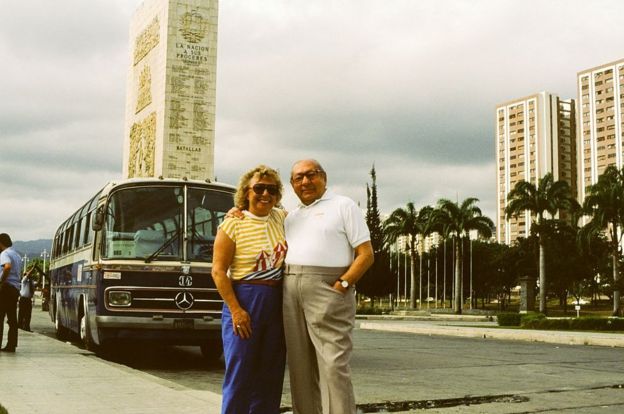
(171, 90)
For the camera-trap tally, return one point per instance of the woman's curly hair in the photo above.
(240, 198)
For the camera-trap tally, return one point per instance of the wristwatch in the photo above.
(344, 283)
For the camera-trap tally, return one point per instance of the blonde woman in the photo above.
(247, 270)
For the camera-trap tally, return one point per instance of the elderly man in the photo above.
(329, 251)
(11, 264)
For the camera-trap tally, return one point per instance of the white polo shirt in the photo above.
(326, 232)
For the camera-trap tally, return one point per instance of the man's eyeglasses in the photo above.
(310, 175)
(260, 188)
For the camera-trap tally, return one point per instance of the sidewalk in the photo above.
(49, 376)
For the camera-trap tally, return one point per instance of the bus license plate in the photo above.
(183, 323)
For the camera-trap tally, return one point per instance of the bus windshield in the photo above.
(148, 223)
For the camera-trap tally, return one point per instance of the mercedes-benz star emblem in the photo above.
(184, 300)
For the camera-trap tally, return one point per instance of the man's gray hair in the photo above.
(310, 160)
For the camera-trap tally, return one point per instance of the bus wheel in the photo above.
(212, 350)
(61, 332)
(85, 333)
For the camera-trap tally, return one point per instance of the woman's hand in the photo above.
(241, 323)
(224, 249)
(235, 212)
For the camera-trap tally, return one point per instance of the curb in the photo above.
(554, 337)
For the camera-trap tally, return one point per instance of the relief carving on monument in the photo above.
(142, 141)
(144, 95)
(146, 41)
(193, 26)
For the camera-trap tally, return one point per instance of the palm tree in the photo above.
(426, 223)
(548, 197)
(605, 204)
(405, 222)
(460, 220)
(445, 233)
(402, 222)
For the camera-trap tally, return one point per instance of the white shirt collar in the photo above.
(326, 196)
(253, 216)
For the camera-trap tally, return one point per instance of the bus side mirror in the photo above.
(98, 219)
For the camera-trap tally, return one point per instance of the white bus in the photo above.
(134, 263)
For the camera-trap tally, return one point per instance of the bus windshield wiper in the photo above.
(166, 244)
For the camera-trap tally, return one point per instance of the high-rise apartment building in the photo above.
(535, 135)
(601, 126)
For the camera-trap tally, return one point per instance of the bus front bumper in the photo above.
(158, 323)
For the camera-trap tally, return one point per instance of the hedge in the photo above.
(3, 410)
(588, 323)
(536, 320)
(368, 310)
(517, 319)
(508, 319)
(532, 319)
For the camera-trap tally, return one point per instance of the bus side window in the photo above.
(87, 229)
(66, 239)
(77, 232)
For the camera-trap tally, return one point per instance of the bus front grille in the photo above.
(164, 300)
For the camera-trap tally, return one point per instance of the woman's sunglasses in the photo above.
(260, 188)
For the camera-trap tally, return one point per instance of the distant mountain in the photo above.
(33, 248)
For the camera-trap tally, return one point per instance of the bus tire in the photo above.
(85, 333)
(212, 350)
(62, 333)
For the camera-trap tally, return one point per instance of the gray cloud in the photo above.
(408, 85)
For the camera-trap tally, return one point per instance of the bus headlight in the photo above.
(119, 298)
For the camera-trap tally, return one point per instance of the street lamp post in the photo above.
(436, 276)
(25, 260)
(45, 255)
(473, 235)
(471, 291)
(405, 278)
(444, 283)
(428, 279)
(398, 269)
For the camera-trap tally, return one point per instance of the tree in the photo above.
(377, 280)
(569, 270)
(460, 220)
(594, 248)
(605, 204)
(548, 197)
(403, 223)
(445, 233)
(373, 218)
(426, 223)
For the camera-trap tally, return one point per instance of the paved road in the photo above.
(407, 372)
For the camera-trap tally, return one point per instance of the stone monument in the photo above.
(171, 90)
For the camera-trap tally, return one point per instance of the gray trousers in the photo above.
(318, 326)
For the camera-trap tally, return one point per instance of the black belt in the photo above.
(270, 282)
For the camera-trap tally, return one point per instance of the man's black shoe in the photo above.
(7, 349)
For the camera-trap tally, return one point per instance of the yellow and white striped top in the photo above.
(260, 245)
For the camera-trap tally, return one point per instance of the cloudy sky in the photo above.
(409, 85)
